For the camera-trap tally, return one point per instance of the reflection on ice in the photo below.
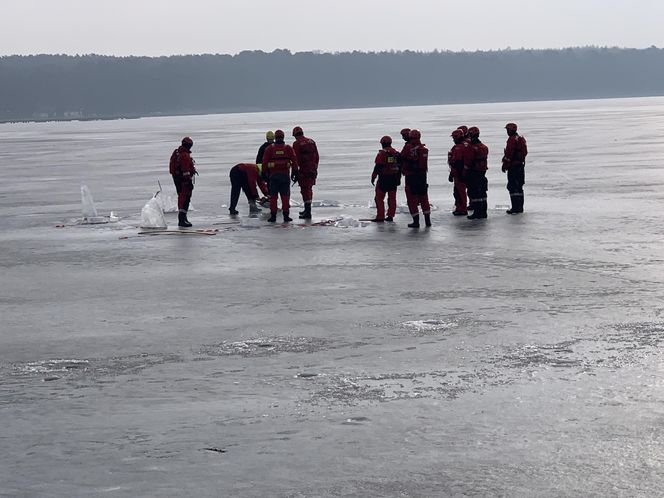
(430, 325)
(50, 366)
(261, 346)
(325, 203)
(350, 222)
(252, 222)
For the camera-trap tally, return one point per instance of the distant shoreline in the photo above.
(254, 111)
(45, 88)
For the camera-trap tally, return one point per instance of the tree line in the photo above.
(42, 87)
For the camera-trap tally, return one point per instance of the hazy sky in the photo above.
(166, 27)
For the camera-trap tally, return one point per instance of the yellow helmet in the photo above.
(269, 135)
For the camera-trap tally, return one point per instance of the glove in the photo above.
(450, 178)
(503, 169)
(294, 176)
(373, 181)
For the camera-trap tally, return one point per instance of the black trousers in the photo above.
(516, 179)
(184, 188)
(239, 182)
(477, 185)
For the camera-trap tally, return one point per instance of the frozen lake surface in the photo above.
(513, 356)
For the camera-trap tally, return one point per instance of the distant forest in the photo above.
(44, 87)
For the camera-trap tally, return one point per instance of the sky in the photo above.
(170, 27)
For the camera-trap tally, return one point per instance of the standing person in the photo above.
(387, 171)
(456, 159)
(405, 134)
(182, 168)
(245, 176)
(414, 167)
(475, 173)
(514, 164)
(280, 162)
(466, 139)
(269, 140)
(307, 160)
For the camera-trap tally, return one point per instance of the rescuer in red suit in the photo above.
(456, 159)
(182, 168)
(514, 163)
(387, 171)
(246, 176)
(414, 157)
(475, 174)
(307, 159)
(282, 167)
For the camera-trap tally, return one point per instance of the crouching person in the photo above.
(246, 177)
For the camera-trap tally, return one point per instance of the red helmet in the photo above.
(415, 134)
(458, 134)
(405, 133)
(279, 135)
(463, 128)
(187, 142)
(473, 131)
(511, 127)
(297, 131)
(386, 140)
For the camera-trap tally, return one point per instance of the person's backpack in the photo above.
(521, 149)
(174, 166)
(307, 147)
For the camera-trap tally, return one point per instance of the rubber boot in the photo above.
(515, 205)
(480, 211)
(416, 222)
(427, 219)
(378, 220)
(182, 219)
(306, 214)
(389, 218)
(273, 217)
(286, 217)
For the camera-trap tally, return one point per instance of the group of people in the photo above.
(468, 164)
(467, 161)
(278, 164)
